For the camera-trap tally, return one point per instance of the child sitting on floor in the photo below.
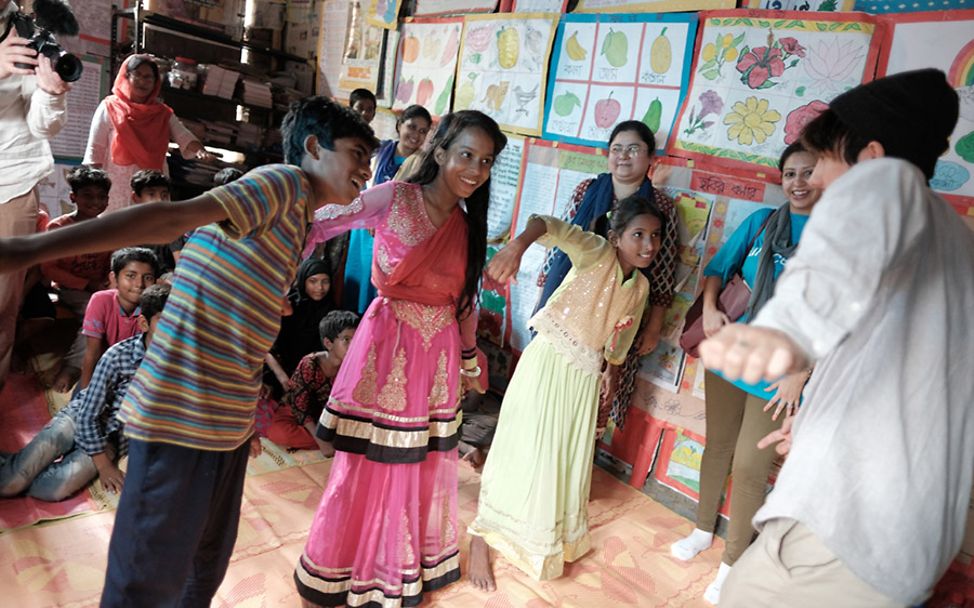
(77, 277)
(113, 314)
(148, 186)
(86, 435)
(294, 423)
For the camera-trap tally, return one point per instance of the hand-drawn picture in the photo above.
(427, 62)
(503, 64)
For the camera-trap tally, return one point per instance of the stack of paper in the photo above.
(257, 93)
(220, 82)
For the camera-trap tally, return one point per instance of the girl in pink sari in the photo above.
(386, 528)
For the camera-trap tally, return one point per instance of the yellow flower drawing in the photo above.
(751, 121)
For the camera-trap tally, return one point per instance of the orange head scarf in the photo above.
(141, 129)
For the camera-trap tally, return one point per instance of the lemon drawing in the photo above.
(508, 47)
(661, 54)
(465, 94)
(575, 50)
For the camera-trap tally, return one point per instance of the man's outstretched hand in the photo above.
(752, 353)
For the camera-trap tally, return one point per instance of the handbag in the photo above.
(732, 301)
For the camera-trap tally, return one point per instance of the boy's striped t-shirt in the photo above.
(200, 379)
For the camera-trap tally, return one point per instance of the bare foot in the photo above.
(63, 381)
(478, 565)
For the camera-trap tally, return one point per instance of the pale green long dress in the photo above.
(534, 493)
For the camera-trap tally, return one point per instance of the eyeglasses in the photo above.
(632, 150)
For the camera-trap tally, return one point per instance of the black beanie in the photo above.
(911, 113)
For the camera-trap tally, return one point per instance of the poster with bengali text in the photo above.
(432, 8)
(83, 99)
(539, 6)
(947, 40)
(650, 6)
(503, 67)
(427, 64)
(759, 78)
(611, 68)
(362, 55)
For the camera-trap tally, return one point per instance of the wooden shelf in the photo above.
(186, 94)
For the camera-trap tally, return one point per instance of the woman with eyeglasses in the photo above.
(631, 148)
(132, 128)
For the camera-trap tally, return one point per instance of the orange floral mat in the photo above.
(62, 563)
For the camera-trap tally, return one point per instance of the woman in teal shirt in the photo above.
(737, 413)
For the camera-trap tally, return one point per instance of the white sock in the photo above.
(712, 593)
(688, 547)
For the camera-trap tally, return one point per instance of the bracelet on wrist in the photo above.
(471, 373)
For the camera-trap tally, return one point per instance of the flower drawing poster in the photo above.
(503, 65)
(611, 68)
(756, 81)
(427, 63)
(947, 40)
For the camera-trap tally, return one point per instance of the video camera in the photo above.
(50, 17)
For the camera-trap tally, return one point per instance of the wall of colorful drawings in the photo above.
(427, 63)
(610, 68)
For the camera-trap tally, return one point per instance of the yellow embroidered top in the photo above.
(596, 311)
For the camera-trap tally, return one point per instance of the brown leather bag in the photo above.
(732, 301)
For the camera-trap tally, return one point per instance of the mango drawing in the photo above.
(576, 52)
(606, 112)
(508, 47)
(615, 47)
(653, 115)
(661, 54)
(465, 94)
(424, 91)
(494, 98)
(410, 49)
(444, 99)
(566, 103)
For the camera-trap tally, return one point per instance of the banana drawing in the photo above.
(576, 52)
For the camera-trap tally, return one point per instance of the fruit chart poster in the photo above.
(503, 67)
(427, 63)
(760, 76)
(611, 68)
(947, 38)
(650, 6)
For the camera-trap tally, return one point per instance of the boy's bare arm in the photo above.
(154, 223)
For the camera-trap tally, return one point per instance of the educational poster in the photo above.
(427, 63)
(492, 322)
(431, 8)
(910, 6)
(383, 13)
(650, 6)
(802, 5)
(505, 178)
(681, 453)
(757, 81)
(947, 40)
(362, 55)
(83, 99)
(611, 68)
(503, 67)
(331, 46)
(550, 175)
(539, 6)
(54, 192)
(664, 366)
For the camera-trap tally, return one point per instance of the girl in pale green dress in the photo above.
(533, 505)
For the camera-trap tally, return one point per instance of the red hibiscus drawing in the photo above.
(791, 46)
(801, 116)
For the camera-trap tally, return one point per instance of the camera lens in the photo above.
(68, 67)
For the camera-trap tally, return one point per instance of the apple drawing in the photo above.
(424, 92)
(606, 112)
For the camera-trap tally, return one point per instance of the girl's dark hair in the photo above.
(336, 322)
(449, 129)
(83, 175)
(644, 133)
(126, 255)
(325, 119)
(828, 134)
(413, 111)
(632, 207)
(793, 148)
(136, 61)
(360, 95)
(153, 300)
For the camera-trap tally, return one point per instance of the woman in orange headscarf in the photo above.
(132, 128)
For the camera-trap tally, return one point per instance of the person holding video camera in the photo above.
(32, 110)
